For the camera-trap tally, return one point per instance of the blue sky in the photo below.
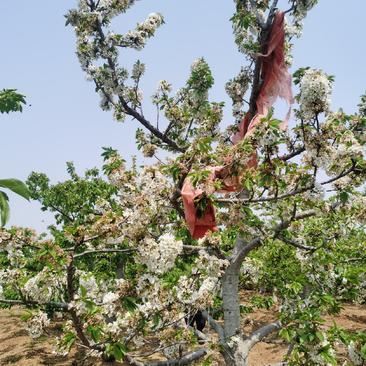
(64, 122)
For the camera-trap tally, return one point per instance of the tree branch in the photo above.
(288, 194)
(242, 249)
(343, 174)
(60, 305)
(214, 325)
(266, 199)
(292, 154)
(99, 251)
(185, 360)
(262, 332)
(130, 111)
(296, 245)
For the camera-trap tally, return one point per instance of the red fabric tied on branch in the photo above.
(276, 83)
(198, 226)
(276, 79)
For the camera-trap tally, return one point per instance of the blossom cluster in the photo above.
(315, 91)
(36, 324)
(149, 192)
(314, 352)
(331, 154)
(138, 37)
(362, 106)
(302, 7)
(199, 289)
(95, 42)
(236, 89)
(354, 354)
(246, 33)
(45, 286)
(251, 270)
(159, 255)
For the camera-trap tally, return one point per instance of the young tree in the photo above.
(284, 205)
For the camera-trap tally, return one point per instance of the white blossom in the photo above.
(315, 91)
(302, 8)
(36, 324)
(109, 300)
(362, 106)
(44, 286)
(138, 37)
(250, 268)
(236, 89)
(159, 255)
(354, 355)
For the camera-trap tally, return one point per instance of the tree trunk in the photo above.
(235, 346)
(237, 355)
(230, 296)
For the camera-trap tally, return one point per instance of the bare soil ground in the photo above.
(17, 348)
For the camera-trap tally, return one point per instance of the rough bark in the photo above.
(230, 295)
(238, 353)
(185, 360)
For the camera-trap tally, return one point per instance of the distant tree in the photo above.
(10, 101)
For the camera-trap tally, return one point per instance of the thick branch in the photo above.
(185, 360)
(262, 332)
(243, 248)
(257, 80)
(60, 305)
(214, 325)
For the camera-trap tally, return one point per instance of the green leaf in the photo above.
(328, 357)
(285, 334)
(26, 315)
(11, 101)
(363, 351)
(320, 336)
(4, 208)
(129, 303)
(343, 196)
(298, 74)
(118, 351)
(16, 186)
(83, 291)
(94, 332)
(69, 340)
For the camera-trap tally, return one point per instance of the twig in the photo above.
(297, 245)
(100, 251)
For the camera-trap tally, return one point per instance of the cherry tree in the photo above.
(268, 203)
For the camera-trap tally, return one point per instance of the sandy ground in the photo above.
(17, 348)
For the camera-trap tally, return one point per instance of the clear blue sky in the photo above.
(64, 122)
